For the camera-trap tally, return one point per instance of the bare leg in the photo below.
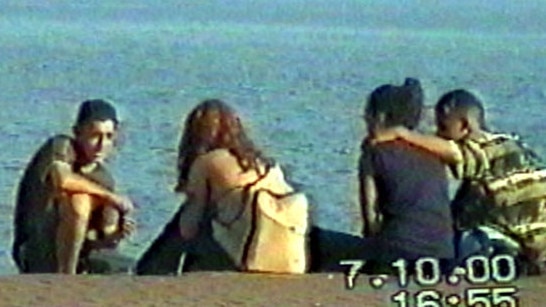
(108, 226)
(110, 220)
(74, 215)
(104, 229)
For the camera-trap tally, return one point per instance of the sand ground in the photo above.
(220, 289)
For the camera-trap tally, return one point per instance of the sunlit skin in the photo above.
(96, 140)
(451, 128)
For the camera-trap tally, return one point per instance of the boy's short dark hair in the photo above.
(463, 102)
(96, 110)
(401, 105)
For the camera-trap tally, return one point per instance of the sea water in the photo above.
(298, 72)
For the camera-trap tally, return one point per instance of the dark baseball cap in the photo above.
(96, 110)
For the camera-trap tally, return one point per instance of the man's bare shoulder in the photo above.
(62, 148)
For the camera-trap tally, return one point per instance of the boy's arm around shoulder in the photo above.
(447, 150)
(466, 157)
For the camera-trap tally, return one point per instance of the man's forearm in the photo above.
(76, 183)
(68, 181)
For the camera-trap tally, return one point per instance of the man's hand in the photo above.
(128, 227)
(123, 203)
(388, 134)
(109, 241)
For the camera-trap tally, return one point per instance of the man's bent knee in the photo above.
(74, 212)
(77, 208)
(110, 219)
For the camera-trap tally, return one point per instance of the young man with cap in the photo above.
(66, 205)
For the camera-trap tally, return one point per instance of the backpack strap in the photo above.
(252, 231)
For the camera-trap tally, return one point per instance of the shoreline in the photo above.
(226, 289)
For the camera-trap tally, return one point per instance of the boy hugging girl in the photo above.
(498, 207)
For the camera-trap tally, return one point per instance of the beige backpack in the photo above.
(263, 231)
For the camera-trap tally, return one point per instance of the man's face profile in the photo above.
(450, 127)
(96, 139)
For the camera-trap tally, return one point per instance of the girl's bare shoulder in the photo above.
(218, 162)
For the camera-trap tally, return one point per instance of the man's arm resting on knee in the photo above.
(65, 179)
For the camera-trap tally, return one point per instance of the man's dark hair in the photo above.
(96, 110)
(463, 102)
(401, 105)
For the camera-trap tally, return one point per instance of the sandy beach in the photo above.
(224, 289)
(195, 289)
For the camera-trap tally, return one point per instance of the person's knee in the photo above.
(110, 219)
(110, 215)
(76, 208)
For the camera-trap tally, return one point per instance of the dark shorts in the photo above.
(170, 254)
(38, 253)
